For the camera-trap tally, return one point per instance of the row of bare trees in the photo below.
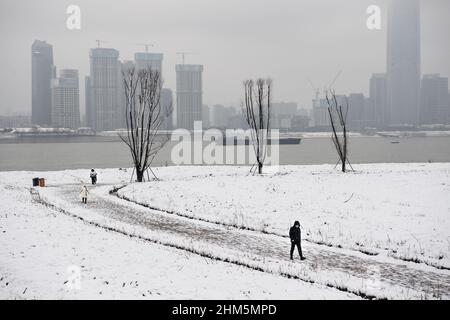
(144, 114)
(257, 110)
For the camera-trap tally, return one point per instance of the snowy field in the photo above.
(401, 210)
(40, 247)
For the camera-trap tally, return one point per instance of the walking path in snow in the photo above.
(360, 274)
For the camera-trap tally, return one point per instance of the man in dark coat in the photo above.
(93, 176)
(295, 235)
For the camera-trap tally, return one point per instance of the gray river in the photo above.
(42, 154)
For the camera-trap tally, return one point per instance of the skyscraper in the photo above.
(145, 60)
(105, 89)
(448, 108)
(189, 94)
(166, 101)
(403, 61)
(357, 111)
(434, 100)
(205, 116)
(320, 115)
(125, 67)
(65, 100)
(88, 102)
(42, 72)
(378, 108)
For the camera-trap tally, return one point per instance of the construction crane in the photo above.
(332, 82)
(183, 53)
(325, 88)
(146, 45)
(316, 90)
(99, 42)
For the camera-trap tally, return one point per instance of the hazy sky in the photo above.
(288, 40)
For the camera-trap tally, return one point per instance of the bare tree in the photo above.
(338, 120)
(257, 107)
(144, 114)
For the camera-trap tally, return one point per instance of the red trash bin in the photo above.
(41, 182)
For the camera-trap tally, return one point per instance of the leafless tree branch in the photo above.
(144, 114)
(338, 120)
(257, 107)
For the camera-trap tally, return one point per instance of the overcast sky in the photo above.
(288, 40)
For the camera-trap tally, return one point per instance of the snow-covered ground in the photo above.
(398, 209)
(43, 253)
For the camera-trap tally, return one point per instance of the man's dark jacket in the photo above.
(294, 234)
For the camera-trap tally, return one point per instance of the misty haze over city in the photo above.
(288, 40)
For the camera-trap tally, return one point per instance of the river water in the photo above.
(41, 154)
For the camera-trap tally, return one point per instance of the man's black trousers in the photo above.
(299, 247)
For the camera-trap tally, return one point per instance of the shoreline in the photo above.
(303, 135)
(330, 166)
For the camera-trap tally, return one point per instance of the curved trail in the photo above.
(364, 275)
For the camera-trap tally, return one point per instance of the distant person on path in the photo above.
(93, 176)
(84, 193)
(294, 234)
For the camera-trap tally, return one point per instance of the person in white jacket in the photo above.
(84, 193)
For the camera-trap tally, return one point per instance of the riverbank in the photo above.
(109, 136)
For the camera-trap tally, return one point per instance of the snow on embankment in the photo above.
(399, 209)
(40, 248)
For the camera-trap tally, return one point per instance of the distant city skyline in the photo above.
(302, 41)
(394, 99)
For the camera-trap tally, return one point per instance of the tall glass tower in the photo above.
(65, 103)
(189, 95)
(104, 89)
(42, 73)
(403, 62)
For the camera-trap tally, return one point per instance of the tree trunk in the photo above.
(139, 175)
(343, 165)
(260, 166)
